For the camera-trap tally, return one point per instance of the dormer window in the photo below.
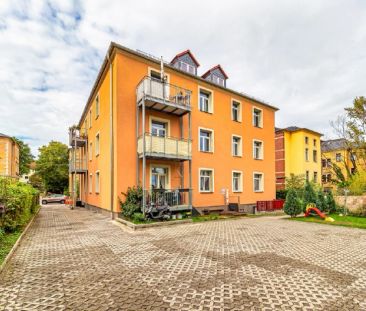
(216, 75)
(185, 61)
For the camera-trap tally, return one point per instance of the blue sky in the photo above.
(305, 57)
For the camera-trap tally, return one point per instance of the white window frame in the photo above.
(261, 184)
(189, 68)
(97, 144)
(261, 156)
(261, 119)
(212, 140)
(90, 150)
(212, 180)
(218, 80)
(161, 120)
(240, 181)
(240, 147)
(168, 177)
(239, 110)
(90, 183)
(210, 99)
(97, 106)
(97, 182)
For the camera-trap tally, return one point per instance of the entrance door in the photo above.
(159, 177)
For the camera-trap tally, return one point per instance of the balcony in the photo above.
(163, 97)
(177, 199)
(79, 166)
(162, 147)
(77, 137)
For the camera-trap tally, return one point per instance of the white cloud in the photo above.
(306, 57)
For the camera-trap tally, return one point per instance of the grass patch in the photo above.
(7, 240)
(346, 221)
(215, 217)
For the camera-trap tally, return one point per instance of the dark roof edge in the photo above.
(298, 129)
(114, 45)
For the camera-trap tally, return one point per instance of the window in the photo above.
(90, 118)
(235, 111)
(257, 117)
(314, 142)
(97, 144)
(258, 182)
(338, 157)
(206, 180)
(186, 67)
(258, 150)
(307, 175)
(218, 80)
(236, 146)
(159, 177)
(90, 151)
(155, 75)
(206, 140)
(306, 140)
(158, 128)
(306, 154)
(326, 178)
(97, 107)
(315, 177)
(97, 182)
(205, 101)
(90, 183)
(315, 156)
(237, 181)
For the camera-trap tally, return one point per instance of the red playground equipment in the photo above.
(312, 207)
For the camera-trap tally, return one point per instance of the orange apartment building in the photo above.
(9, 157)
(162, 126)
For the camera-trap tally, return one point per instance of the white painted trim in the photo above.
(261, 123)
(240, 109)
(97, 111)
(212, 139)
(90, 183)
(97, 152)
(149, 69)
(240, 146)
(90, 116)
(199, 179)
(211, 99)
(90, 150)
(262, 184)
(152, 165)
(262, 151)
(241, 181)
(97, 189)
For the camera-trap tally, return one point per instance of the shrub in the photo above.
(330, 203)
(132, 203)
(357, 185)
(309, 195)
(320, 201)
(138, 217)
(292, 205)
(20, 202)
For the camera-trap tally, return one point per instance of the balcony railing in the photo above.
(175, 198)
(79, 165)
(161, 92)
(165, 147)
(78, 135)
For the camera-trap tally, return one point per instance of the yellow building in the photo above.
(298, 153)
(337, 152)
(9, 157)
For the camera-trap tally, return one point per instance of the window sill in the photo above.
(96, 118)
(259, 191)
(206, 192)
(97, 155)
(239, 191)
(237, 156)
(211, 152)
(237, 121)
(208, 112)
(258, 159)
(258, 127)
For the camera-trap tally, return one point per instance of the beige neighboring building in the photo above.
(32, 169)
(9, 157)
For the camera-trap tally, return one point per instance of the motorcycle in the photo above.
(158, 211)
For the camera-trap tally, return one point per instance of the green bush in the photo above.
(138, 217)
(330, 203)
(320, 201)
(281, 194)
(132, 203)
(309, 195)
(357, 185)
(292, 204)
(20, 202)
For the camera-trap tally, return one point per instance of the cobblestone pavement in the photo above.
(78, 260)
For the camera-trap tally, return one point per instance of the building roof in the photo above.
(3, 135)
(334, 144)
(212, 69)
(183, 53)
(292, 129)
(115, 46)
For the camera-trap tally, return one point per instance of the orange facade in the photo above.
(117, 166)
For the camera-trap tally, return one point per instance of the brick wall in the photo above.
(280, 160)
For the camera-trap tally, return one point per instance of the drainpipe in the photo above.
(111, 133)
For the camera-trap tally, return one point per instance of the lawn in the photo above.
(347, 221)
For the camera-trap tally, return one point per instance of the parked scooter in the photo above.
(159, 212)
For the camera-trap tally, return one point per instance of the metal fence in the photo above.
(171, 197)
(269, 206)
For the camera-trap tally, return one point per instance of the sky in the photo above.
(305, 57)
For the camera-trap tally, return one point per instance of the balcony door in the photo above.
(159, 177)
(158, 128)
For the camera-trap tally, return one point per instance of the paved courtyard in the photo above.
(79, 260)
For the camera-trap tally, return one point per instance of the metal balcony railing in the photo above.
(80, 135)
(79, 165)
(154, 89)
(171, 197)
(163, 146)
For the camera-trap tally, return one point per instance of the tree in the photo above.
(330, 203)
(320, 201)
(52, 167)
(296, 182)
(25, 156)
(292, 204)
(36, 181)
(309, 195)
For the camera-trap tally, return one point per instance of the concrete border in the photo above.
(137, 227)
(15, 246)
